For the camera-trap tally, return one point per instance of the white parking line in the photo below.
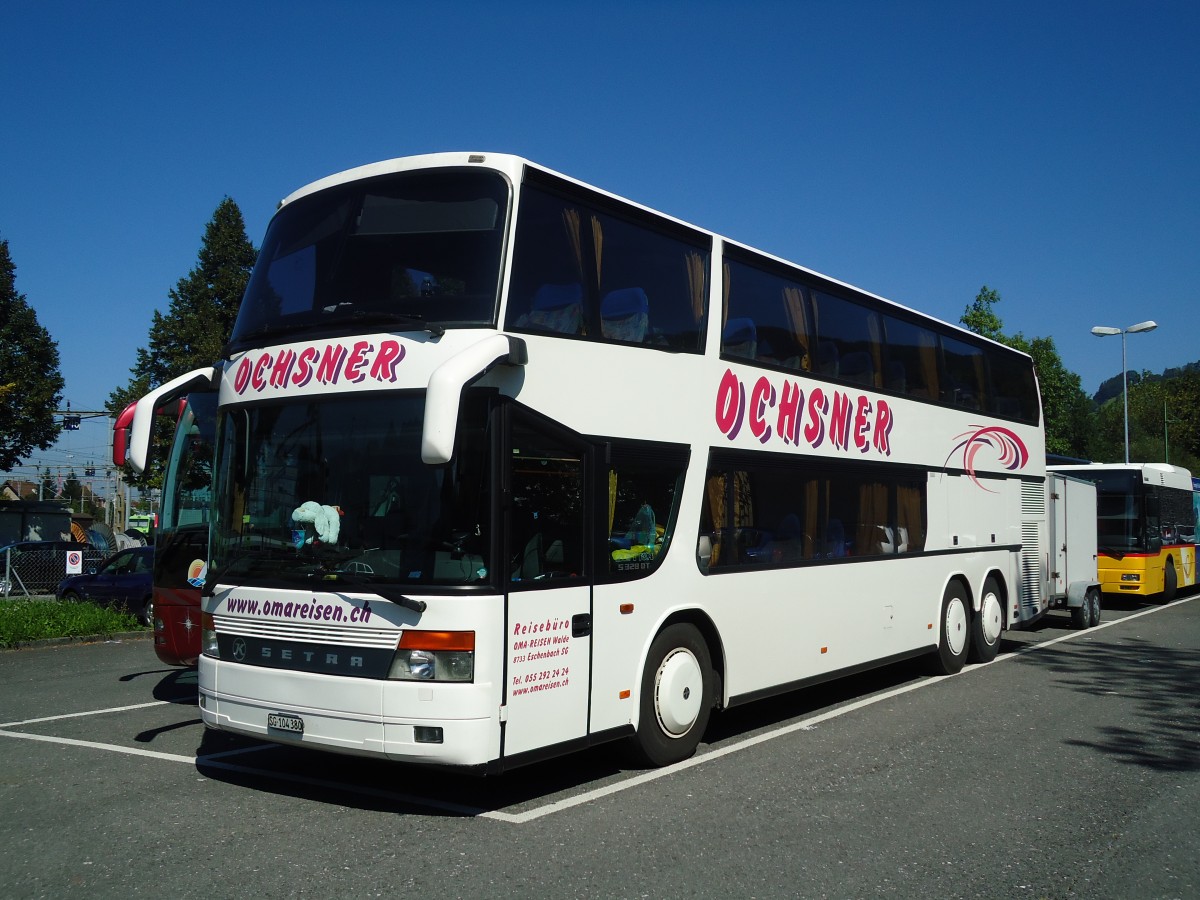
(90, 712)
(558, 805)
(95, 745)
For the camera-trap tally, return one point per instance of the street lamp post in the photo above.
(1104, 331)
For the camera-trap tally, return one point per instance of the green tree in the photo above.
(199, 320)
(981, 317)
(29, 374)
(1065, 407)
(1164, 420)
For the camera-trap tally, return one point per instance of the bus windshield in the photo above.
(1121, 512)
(410, 251)
(332, 490)
(187, 488)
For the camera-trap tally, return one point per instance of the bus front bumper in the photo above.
(439, 724)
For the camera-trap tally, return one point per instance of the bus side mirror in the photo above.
(121, 430)
(704, 551)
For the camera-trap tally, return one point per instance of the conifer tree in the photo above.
(200, 317)
(30, 381)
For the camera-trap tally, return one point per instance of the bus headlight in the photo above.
(208, 636)
(434, 656)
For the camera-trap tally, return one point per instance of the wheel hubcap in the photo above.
(678, 692)
(956, 625)
(993, 618)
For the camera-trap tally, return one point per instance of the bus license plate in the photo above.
(283, 722)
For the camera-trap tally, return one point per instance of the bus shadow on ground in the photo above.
(380, 785)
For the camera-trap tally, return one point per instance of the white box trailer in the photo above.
(1072, 576)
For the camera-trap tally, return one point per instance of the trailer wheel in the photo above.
(986, 627)
(677, 697)
(955, 631)
(1081, 616)
(1093, 603)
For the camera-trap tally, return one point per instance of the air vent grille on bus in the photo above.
(1031, 555)
(1033, 499)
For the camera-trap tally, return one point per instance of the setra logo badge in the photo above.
(239, 650)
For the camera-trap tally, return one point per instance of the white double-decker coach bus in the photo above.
(507, 466)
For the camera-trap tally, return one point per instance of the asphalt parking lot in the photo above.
(1066, 768)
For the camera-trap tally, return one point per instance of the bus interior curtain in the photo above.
(981, 381)
(724, 296)
(696, 283)
(598, 247)
(793, 305)
(872, 514)
(927, 354)
(875, 335)
(811, 513)
(908, 516)
(743, 500)
(612, 498)
(571, 223)
(715, 494)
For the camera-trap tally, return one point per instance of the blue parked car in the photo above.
(125, 581)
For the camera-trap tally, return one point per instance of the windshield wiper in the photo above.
(333, 576)
(387, 317)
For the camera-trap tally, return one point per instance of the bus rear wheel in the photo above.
(677, 697)
(988, 624)
(954, 634)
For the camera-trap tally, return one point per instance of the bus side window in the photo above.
(767, 317)
(640, 509)
(589, 267)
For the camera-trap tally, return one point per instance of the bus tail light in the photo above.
(434, 656)
(208, 636)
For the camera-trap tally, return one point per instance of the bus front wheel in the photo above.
(1170, 582)
(954, 635)
(677, 697)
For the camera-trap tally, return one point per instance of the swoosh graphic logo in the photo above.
(1010, 450)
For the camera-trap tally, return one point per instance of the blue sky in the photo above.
(916, 149)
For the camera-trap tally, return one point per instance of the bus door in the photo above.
(546, 542)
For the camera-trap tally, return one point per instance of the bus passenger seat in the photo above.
(740, 339)
(858, 367)
(827, 358)
(557, 308)
(835, 539)
(625, 315)
(896, 378)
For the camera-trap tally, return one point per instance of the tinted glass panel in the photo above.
(768, 319)
(586, 271)
(547, 522)
(848, 340)
(642, 490)
(389, 254)
(333, 491)
(762, 512)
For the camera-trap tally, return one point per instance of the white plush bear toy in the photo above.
(325, 519)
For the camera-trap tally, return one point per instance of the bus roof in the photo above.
(513, 167)
(1152, 473)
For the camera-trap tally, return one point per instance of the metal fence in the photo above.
(35, 569)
